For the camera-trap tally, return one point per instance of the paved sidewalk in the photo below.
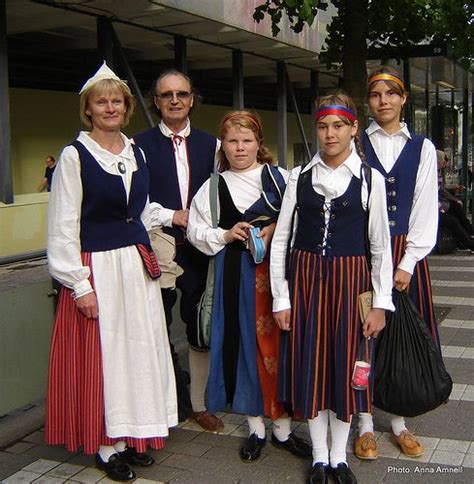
(194, 456)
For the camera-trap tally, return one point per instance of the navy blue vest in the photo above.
(107, 221)
(159, 152)
(347, 220)
(399, 182)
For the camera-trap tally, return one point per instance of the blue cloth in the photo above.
(399, 182)
(161, 163)
(108, 221)
(346, 226)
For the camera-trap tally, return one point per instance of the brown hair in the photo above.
(166, 73)
(247, 120)
(394, 86)
(342, 99)
(106, 85)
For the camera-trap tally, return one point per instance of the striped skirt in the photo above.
(317, 357)
(420, 286)
(75, 397)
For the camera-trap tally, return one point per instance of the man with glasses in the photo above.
(180, 159)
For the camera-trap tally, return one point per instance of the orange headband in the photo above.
(246, 116)
(386, 77)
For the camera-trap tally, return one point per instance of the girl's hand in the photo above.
(267, 234)
(401, 280)
(374, 323)
(238, 232)
(88, 306)
(282, 318)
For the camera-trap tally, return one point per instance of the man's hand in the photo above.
(240, 231)
(374, 323)
(282, 318)
(180, 218)
(88, 306)
(401, 280)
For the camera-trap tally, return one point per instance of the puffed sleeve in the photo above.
(64, 214)
(200, 231)
(279, 284)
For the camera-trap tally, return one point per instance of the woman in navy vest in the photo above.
(111, 387)
(330, 224)
(408, 163)
(245, 338)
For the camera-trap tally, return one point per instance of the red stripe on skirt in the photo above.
(75, 400)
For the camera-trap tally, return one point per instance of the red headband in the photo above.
(337, 110)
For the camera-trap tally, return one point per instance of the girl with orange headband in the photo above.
(333, 219)
(245, 338)
(408, 164)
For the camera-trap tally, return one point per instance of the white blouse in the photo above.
(423, 221)
(245, 189)
(332, 183)
(64, 210)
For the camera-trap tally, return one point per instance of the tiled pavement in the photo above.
(199, 457)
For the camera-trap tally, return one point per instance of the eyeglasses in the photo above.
(168, 95)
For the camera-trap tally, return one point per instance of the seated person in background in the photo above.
(48, 174)
(451, 213)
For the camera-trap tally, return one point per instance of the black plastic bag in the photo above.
(410, 376)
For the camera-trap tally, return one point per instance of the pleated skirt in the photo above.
(75, 415)
(420, 286)
(317, 356)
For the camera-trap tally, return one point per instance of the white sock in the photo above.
(120, 446)
(106, 451)
(398, 425)
(365, 423)
(282, 428)
(256, 426)
(199, 370)
(339, 435)
(318, 429)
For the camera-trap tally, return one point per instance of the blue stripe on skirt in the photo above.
(317, 357)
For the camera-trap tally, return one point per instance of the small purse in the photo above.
(365, 304)
(256, 245)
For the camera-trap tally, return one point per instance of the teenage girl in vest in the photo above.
(317, 303)
(408, 164)
(244, 336)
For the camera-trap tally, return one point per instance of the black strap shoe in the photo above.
(343, 475)
(319, 473)
(294, 444)
(252, 449)
(115, 469)
(134, 458)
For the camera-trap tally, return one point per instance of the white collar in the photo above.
(375, 127)
(352, 163)
(169, 133)
(105, 156)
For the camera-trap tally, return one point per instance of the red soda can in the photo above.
(360, 375)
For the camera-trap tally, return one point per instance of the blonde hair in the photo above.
(106, 86)
(246, 120)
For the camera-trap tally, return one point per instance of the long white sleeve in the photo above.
(380, 249)
(423, 221)
(278, 282)
(200, 232)
(64, 213)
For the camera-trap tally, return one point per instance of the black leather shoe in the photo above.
(134, 458)
(252, 449)
(294, 444)
(343, 475)
(319, 474)
(116, 469)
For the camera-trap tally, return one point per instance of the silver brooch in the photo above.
(121, 167)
